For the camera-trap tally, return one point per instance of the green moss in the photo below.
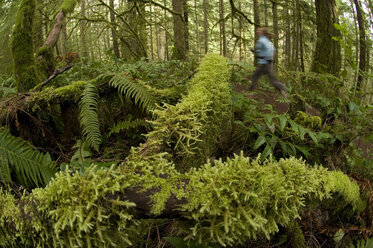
(190, 129)
(228, 203)
(68, 6)
(51, 95)
(22, 47)
(46, 61)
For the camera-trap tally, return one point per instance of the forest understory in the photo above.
(124, 143)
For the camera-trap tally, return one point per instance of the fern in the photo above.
(124, 125)
(128, 87)
(88, 116)
(31, 167)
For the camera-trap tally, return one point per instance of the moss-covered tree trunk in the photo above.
(327, 57)
(362, 43)
(22, 45)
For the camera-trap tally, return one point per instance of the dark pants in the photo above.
(266, 69)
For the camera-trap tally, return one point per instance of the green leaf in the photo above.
(259, 141)
(266, 152)
(338, 236)
(302, 132)
(283, 121)
(18, 157)
(313, 136)
(294, 126)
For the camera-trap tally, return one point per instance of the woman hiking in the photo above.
(264, 52)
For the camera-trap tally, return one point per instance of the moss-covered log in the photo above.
(190, 130)
(228, 203)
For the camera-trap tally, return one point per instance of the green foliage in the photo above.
(74, 210)
(130, 124)
(30, 167)
(46, 61)
(270, 133)
(190, 128)
(26, 74)
(226, 204)
(68, 6)
(88, 116)
(181, 243)
(241, 199)
(362, 244)
(129, 88)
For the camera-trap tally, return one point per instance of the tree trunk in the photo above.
(300, 29)
(151, 33)
(83, 40)
(179, 31)
(22, 47)
(256, 21)
(287, 50)
(206, 25)
(275, 31)
(197, 28)
(240, 55)
(186, 25)
(362, 44)
(113, 31)
(223, 39)
(167, 54)
(327, 57)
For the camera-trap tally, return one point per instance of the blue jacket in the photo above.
(264, 50)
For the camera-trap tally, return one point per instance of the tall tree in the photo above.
(223, 38)
(256, 20)
(179, 30)
(362, 43)
(83, 39)
(275, 30)
(186, 24)
(113, 30)
(327, 57)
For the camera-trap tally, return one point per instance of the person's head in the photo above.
(264, 31)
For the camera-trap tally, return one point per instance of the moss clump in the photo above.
(228, 203)
(46, 61)
(68, 6)
(50, 95)
(189, 130)
(26, 74)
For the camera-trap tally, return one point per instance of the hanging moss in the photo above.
(26, 74)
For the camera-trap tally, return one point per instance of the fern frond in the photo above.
(130, 88)
(17, 156)
(88, 116)
(124, 125)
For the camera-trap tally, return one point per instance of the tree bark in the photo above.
(287, 50)
(186, 25)
(256, 21)
(223, 39)
(275, 31)
(113, 32)
(83, 40)
(196, 28)
(179, 31)
(327, 57)
(362, 45)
